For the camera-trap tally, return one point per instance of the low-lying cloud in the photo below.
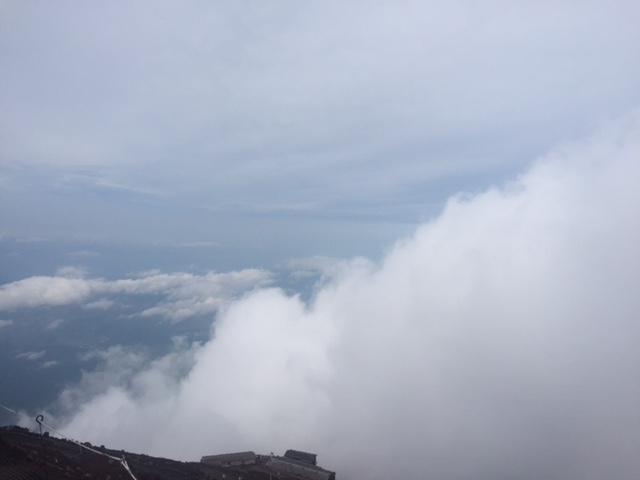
(183, 294)
(499, 341)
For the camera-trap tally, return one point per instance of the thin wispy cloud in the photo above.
(50, 364)
(32, 355)
(312, 266)
(80, 254)
(102, 304)
(54, 324)
(5, 323)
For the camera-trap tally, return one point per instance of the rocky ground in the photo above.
(25, 455)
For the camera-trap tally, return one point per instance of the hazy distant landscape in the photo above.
(46, 348)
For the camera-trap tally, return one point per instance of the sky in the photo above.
(272, 125)
(412, 227)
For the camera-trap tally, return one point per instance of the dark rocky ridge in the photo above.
(25, 455)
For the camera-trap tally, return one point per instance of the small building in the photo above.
(288, 467)
(305, 457)
(230, 459)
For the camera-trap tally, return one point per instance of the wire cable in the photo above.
(40, 420)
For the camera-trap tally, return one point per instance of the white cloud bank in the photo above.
(500, 341)
(185, 294)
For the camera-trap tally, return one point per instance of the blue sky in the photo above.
(369, 230)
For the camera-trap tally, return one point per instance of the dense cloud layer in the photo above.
(499, 341)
